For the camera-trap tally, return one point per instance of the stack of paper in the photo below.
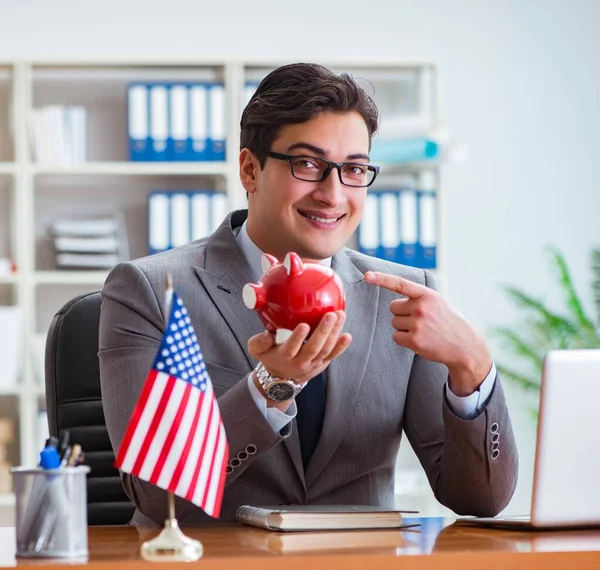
(90, 243)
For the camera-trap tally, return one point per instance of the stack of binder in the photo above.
(176, 218)
(87, 243)
(58, 134)
(401, 225)
(176, 121)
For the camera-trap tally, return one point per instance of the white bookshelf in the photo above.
(70, 277)
(136, 169)
(35, 193)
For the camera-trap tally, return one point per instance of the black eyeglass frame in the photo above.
(331, 165)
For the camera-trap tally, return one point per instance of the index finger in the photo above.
(396, 284)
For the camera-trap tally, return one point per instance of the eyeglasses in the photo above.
(314, 169)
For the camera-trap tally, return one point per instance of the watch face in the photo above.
(281, 391)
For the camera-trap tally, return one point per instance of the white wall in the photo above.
(521, 85)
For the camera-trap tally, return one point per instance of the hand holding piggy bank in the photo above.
(293, 292)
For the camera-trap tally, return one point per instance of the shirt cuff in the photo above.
(468, 407)
(275, 417)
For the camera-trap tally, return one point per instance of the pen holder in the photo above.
(51, 512)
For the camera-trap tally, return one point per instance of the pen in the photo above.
(64, 448)
(74, 456)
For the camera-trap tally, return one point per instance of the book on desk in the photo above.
(321, 517)
(319, 541)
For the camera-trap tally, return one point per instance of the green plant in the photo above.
(541, 329)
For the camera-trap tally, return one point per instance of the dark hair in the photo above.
(296, 93)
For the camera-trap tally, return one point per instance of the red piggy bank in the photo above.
(293, 292)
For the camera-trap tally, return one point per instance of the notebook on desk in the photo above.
(566, 482)
(321, 517)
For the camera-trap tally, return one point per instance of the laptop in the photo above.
(566, 480)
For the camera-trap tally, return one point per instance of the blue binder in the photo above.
(369, 239)
(159, 121)
(179, 140)
(427, 198)
(407, 250)
(249, 89)
(178, 217)
(217, 122)
(198, 144)
(138, 122)
(159, 214)
(389, 221)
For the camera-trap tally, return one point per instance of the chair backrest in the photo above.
(74, 403)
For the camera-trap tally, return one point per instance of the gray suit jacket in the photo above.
(375, 390)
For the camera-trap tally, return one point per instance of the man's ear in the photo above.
(249, 170)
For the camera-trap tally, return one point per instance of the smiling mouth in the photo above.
(320, 219)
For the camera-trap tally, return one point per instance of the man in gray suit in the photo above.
(319, 418)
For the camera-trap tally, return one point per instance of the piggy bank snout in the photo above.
(254, 296)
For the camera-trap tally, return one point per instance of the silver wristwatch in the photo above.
(276, 389)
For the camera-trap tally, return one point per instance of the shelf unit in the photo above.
(35, 193)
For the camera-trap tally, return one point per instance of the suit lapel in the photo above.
(345, 374)
(224, 275)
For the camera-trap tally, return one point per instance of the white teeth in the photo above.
(322, 220)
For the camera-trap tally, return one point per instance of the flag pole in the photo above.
(171, 544)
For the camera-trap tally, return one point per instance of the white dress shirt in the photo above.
(464, 407)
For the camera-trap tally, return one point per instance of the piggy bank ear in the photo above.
(293, 264)
(267, 261)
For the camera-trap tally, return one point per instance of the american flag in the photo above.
(175, 438)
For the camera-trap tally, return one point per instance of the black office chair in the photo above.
(74, 403)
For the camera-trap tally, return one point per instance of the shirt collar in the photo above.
(253, 253)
